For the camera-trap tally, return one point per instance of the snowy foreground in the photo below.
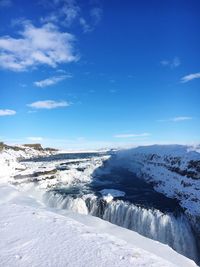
(34, 235)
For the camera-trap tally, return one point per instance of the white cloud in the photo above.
(177, 119)
(70, 11)
(182, 118)
(64, 12)
(174, 63)
(7, 112)
(51, 18)
(190, 77)
(131, 135)
(36, 46)
(48, 104)
(5, 3)
(52, 80)
(35, 138)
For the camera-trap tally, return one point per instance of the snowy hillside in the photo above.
(31, 230)
(10, 156)
(174, 170)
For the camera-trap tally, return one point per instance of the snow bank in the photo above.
(34, 236)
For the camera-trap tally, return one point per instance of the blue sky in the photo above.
(92, 74)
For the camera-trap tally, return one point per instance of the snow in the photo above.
(31, 235)
(9, 164)
(10, 167)
(109, 194)
(108, 198)
(155, 164)
(34, 235)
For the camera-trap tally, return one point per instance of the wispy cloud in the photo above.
(62, 71)
(86, 27)
(182, 118)
(174, 63)
(96, 14)
(52, 80)
(69, 12)
(48, 104)
(36, 46)
(64, 12)
(190, 77)
(177, 119)
(35, 138)
(7, 112)
(131, 135)
(5, 3)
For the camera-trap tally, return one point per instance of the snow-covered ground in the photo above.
(31, 235)
(9, 160)
(34, 235)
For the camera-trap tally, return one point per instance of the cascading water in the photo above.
(58, 201)
(166, 228)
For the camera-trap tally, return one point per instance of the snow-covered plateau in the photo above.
(67, 209)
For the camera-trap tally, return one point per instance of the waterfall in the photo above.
(58, 201)
(166, 228)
